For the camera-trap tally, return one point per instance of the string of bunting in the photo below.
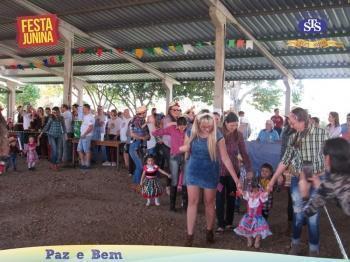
(137, 52)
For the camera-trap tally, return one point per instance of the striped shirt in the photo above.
(307, 147)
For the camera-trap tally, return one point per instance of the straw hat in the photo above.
(141, 109)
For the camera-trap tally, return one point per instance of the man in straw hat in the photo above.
(138, 133)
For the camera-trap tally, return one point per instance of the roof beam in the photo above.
(12, 53)
(227, 78)
(75, 30)
(197, 69)
(278, 65)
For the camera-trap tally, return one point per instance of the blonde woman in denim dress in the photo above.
(202, 145)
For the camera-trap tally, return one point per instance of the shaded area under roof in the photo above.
(130, 24)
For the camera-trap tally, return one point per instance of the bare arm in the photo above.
(164, 173)
(142, 177)
(280, 169)
(227, 162)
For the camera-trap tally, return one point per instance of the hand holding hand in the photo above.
(270, 185)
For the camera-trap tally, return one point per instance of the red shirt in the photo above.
(278, 121)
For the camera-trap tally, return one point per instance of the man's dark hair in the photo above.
(338, 149)
(87, 106)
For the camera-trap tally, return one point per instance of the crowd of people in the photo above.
(199, 151)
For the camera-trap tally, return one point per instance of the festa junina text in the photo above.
(37, 30)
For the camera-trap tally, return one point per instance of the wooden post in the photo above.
(68, 67)
(219, 21)
(168, 84)
(288, 95)
(11, 104)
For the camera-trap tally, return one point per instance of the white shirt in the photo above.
(88, 120)
(333, 131)
(151, 143)
(67, 115)
(27, 118)
(114, 126)
(124, 128)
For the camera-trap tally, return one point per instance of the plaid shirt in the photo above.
(306, 148)
(55, 127)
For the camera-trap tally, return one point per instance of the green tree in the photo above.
(297, 92)
(30, 95)
(132, 95)
(202, 91)
(265, 95)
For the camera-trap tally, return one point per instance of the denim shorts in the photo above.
(84, 144)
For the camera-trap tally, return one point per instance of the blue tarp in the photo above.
(261, 153)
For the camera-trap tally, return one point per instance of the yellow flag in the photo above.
(172, 48)
(158, 51)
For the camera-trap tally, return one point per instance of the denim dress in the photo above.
(200, 170)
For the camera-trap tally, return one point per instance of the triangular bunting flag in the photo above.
(158, 51)
(52, 60)
(31, 65)
(240, 43)
(249, 44)
(150, 50)
(188, 48)
(208, 43)
(231, 43)
(139, 53)
(120, 50)
(172, 48)
(199, 44)
(60, 58)
(37, 64)
(99, 51)
(46, 62)
(179, 47)
(165, 48)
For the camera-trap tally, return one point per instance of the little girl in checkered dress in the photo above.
(253, 225)
(150, 186)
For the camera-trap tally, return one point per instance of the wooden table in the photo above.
(108, 143)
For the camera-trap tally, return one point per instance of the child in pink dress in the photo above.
(253, 225)
(32, 155)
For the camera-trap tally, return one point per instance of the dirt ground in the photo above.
(69, 207)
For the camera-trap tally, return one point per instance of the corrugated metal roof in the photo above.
(150, 23)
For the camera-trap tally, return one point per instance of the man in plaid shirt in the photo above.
(306, 145)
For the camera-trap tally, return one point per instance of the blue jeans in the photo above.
(175, 163)
(56, 148)
(11, 161)
(313, 222)
(133, 151)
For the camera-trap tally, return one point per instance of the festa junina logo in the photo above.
(312, 25)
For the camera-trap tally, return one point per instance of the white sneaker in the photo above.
(106, 163)
(113, 164)
(156, 201)
(148, 203)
